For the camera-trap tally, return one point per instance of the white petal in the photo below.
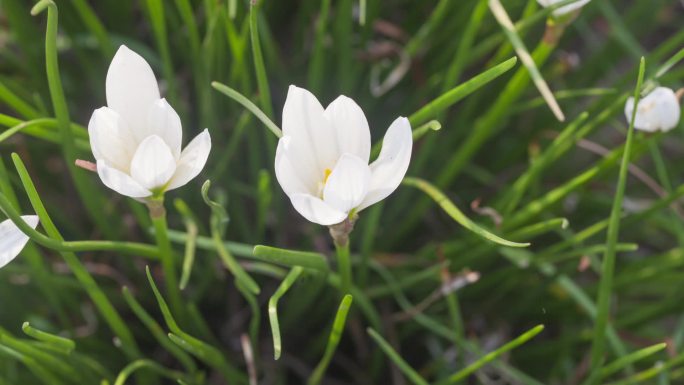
(111, 138)
(13, 240)
(120, 182)
(316, 211)
(389, 169)
(564, 9)
(658, 110)
(293, 172)
(163, 121)
(312, 134)
(348, 183)
(351, 127)
(192, 160)
(153, 165)
(131, 88)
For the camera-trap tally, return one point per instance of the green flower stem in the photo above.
(344, 266)
(158, 216)
(340, 235)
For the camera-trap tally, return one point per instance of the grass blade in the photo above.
(454, 378)
(291, 257)
(509, 29)
(238, 97)
(444, 101)
(455, 213)
(411, 373)
(289, 280)
(608, 265)
(333, 340)
(64, 344)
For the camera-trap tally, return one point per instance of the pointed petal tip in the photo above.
(32, 220)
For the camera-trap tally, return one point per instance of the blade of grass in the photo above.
(608, 264)
(190, 243)
(509, 29)
(155, 12)
(316, 66)
(444, 101)
(157, 331)
(89, 284)
(218, 220)
(238, 97)
(259, 67)
(91, 201)
(333, 340)
(455, 213)
(285, 285)
(621, 362)
(208, 354)
(63, 344)
(291, 258)
(523, 338)
(411, 373)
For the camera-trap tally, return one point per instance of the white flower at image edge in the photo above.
(12, 240)
(322, 159)
(136, 139)
(657, 111)
(564, 9)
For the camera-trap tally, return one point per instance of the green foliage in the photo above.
(507, 219)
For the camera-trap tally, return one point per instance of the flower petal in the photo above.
(315, 210)
(389, 169)
(120, 181)
(131, 88)
(348, 183)
(163, 121)
(13, 240)
(192, 160)
(312, 134)
(658, 110)
(111, 139)
(564, 9)
(293, 172)
(351, 127)
(153, 165)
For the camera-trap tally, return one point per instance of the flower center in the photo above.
(321, 185)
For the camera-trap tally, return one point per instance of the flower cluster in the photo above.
(321, 163)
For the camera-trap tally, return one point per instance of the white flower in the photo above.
(137, 138)
(657, 111)
(564, 9)
(322, 159)
(12, 240)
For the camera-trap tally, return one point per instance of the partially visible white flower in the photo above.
(564, 10)
(136, 139)
(657, 111)
(322, 159)
(12, 240)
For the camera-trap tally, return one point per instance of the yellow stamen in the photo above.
(327, 174)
